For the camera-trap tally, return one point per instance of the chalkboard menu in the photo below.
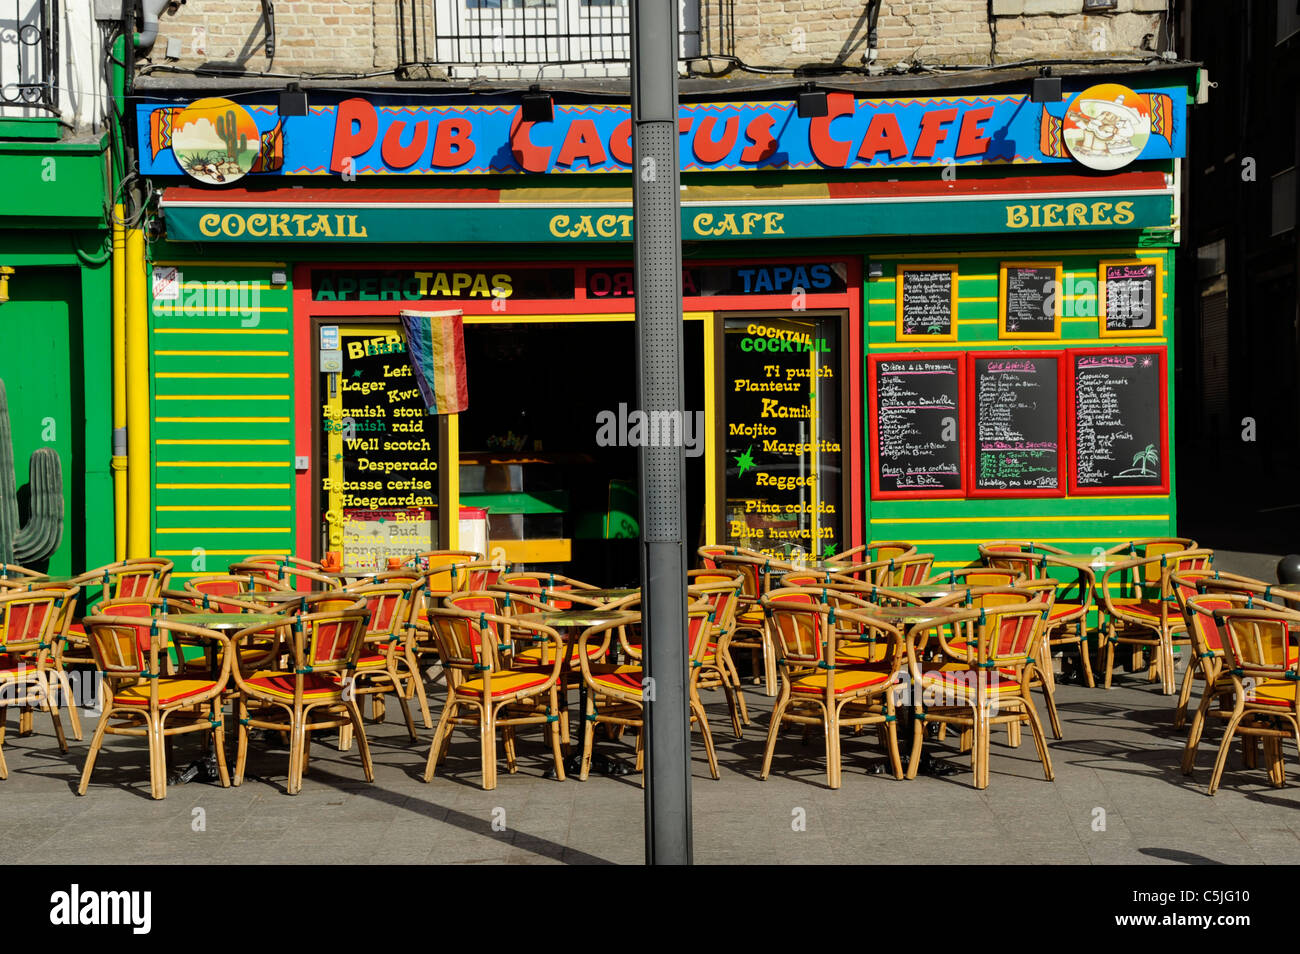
(1119, 422)
(784, 452)
(1017, 426)
(1129, 297)
(916, 427)
(382, 454)
(926, 301)
(1030, 300)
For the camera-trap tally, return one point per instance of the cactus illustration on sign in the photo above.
(41, 535)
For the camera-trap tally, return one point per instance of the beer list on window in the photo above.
(389, 462)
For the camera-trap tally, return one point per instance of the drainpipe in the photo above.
(144, 40)
(118, 462)
(135, 367)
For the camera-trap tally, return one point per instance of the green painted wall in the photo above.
(57, 362)
(222, 442)
(952, 528)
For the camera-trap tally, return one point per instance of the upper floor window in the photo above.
(515, 38)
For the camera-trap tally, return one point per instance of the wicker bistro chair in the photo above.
(874, 551)
(1207, 651)
(32, 623)
(271, 559)
(499, 695)
(60, 686)
(907, 570)
(12, 572)
(316, 693)
(1149, 617)
(818, 688)
(1068, 625)
(615, 691)
(717, 670)
(977, 576)
(1205, 632)
(130, 651)
(759, 574)
(1259, 674)
(387, 663)
(291, 575)
(980, 679)
(1038, 668)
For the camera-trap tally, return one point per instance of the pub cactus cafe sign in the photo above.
(218, 141)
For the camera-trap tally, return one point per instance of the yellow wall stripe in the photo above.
(234, 507)
(222, 420)
(225, 463)
(221, 331)
(221, 354)
(1027, 519)
(223, 486)
(223, 374)
(222, 397)
(220, 440)
(161, 530)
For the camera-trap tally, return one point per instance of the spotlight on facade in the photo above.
(538, 106)
(1046, 87)
(293, 101)
(812, 102)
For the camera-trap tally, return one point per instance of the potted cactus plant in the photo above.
(40, 536)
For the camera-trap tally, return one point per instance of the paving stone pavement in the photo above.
(1118, 798)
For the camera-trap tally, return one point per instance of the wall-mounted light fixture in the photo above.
(1046, 88)
(1099, 6)
(812, 102)
(538, 106)
(5, 272)
(293, 101)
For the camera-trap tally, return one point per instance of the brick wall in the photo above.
(315, 36)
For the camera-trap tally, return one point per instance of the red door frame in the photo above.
(305, 310)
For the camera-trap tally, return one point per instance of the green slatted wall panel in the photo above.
(221, 357)
(953, 528)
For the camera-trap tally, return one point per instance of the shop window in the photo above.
(783, 379)
(548, 444)
(379, 496)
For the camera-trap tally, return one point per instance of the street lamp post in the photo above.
(657, 258)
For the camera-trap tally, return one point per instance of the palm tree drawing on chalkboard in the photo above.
(1148, 455)
(934, 330)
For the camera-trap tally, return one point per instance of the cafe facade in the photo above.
(944, 317)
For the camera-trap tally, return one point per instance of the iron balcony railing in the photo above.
(29, 57)
(548, 32)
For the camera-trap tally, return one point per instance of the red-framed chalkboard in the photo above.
(1119, 421)
(926, 395)
(1021, 397)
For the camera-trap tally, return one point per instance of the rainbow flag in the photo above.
(435, 345)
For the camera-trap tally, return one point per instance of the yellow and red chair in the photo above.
(1256, 682)
(1146, 615)
(979, 679)
(317, 691)
(500, 696)
(131, 652)
(615, 691)
(31, 624)
(820, 686)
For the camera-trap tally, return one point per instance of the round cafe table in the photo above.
(570, 624)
